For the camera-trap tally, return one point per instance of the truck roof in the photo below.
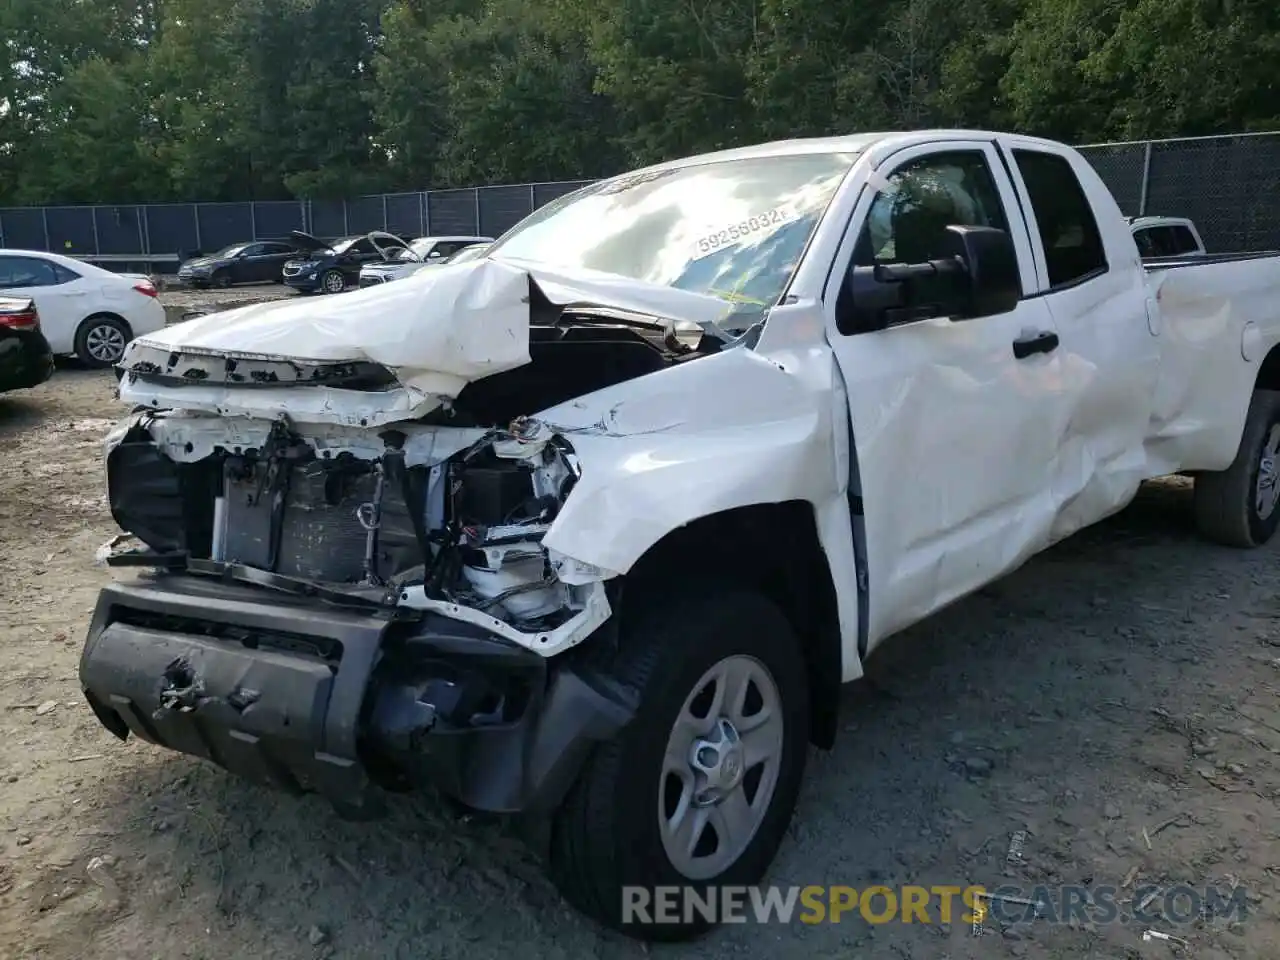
(849, 143)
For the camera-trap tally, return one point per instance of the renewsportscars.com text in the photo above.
(939, 904)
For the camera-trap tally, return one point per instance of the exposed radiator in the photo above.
(321, 535)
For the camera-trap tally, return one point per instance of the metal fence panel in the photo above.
(119, 229)
(1122, 167)
(501, 208)
(172, 228)
(365, 214)
(222, 224)
(22, 228)
(328, 219)
(274, 219)
(404, 214)
(1229, 186)
(71, 230)
(544, 193)
(452, 212)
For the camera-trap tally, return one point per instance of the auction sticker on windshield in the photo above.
(740, 230)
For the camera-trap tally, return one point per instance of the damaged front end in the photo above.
(333, 608)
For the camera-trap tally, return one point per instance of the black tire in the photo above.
(606, 834)
(329, 284)
(93, 337)
(222, 279)
(1226, 502)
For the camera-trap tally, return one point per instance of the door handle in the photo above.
(1045, 341)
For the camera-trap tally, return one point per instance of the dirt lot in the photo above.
(1125, 681)
(179, 301)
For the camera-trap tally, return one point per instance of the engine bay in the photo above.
(446, 513)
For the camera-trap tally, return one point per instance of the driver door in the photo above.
(955, 422)
(248, 267)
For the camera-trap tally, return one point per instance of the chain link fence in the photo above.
(1230, 186)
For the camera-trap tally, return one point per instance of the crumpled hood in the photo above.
(436, 330)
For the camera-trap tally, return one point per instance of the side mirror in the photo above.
(976, 277)
(994, 284)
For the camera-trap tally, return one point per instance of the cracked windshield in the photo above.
(733, 229)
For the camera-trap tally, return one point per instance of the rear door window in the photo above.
(1073, 250)
(27, 272)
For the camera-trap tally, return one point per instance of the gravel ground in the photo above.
(179, 301)
(1115, 700)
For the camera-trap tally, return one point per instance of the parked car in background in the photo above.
(332, 267)
(85, 311)
(1166, 237)
(423, 252)
(256, 262)
(25, 357)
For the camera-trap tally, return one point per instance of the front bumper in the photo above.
(304, 282)
(308, 697)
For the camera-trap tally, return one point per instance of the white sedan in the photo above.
(85, 311)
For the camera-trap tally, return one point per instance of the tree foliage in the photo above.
(132, 100)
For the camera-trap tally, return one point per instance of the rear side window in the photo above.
(1147, 241)
(1068, 231)
(1182, 240)
(64, 274)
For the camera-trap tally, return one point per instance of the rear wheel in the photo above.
(698, 790)
(101, 340)
(334, 282)
(1240, 506)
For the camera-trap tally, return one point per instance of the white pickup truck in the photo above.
(592, 529)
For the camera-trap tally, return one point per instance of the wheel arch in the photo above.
(105, 314)
(1269, 372)
(771, 547)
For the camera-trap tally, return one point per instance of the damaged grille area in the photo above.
(253, 639)
(328, 521)
(153, 364)
(449, 523)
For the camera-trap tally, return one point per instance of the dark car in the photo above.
(25, 357)
(334, 266)
(261, 261)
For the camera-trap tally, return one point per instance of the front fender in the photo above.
(731, 430)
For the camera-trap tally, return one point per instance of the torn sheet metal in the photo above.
(435, 332)
(186, 438)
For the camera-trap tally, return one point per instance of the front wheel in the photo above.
(334, 282)
(1240, 506)
(222, 280)
(697, 791)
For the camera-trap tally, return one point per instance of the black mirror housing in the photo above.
(975, 276)
(992, 284)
